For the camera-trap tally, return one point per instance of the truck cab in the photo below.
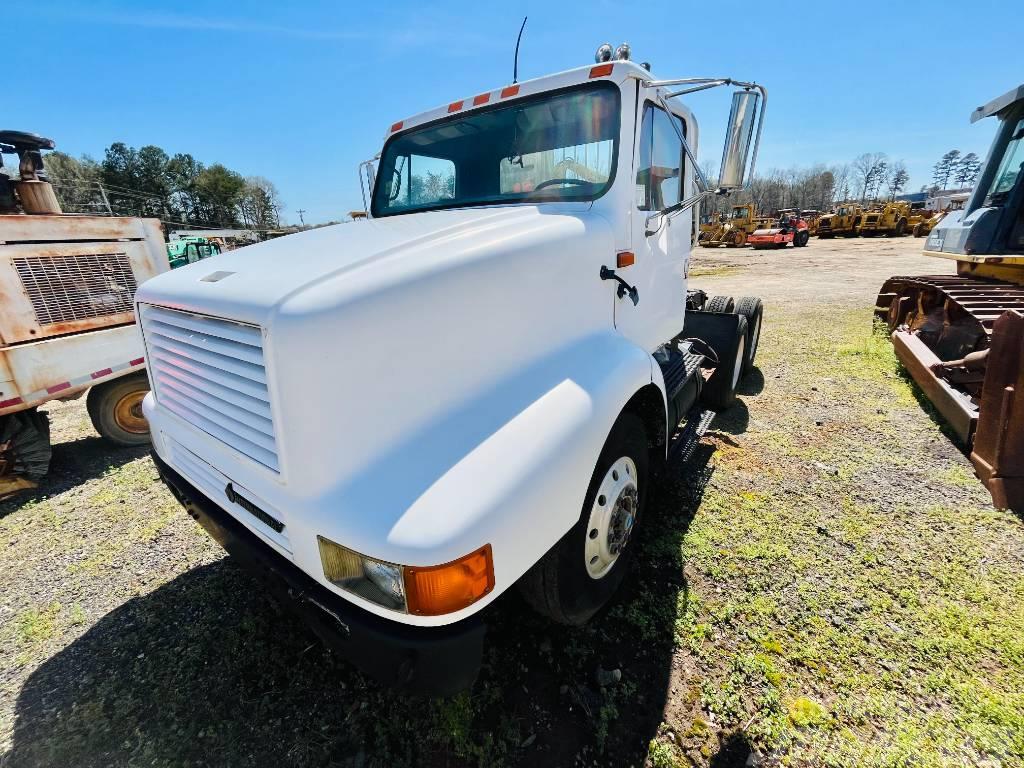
(400, 419)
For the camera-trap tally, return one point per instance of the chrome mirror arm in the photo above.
(704, 83)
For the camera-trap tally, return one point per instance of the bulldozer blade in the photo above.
(957, 408)
(998, 451)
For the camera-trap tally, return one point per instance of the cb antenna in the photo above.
(515, 63)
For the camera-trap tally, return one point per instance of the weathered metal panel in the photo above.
(74, 361)
(998, 452)
(956, 407)
(68, 228)
(56, 289)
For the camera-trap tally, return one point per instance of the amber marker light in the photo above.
(601, 70)
(438, 589)
(624, 259)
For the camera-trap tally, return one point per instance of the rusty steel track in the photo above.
(939, 319)
(982, 299)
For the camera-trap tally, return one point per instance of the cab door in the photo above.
(660, 258)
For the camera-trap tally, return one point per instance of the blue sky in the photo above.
(301, 92)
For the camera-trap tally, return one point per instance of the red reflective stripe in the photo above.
(137, 361)
(512, 90)
(455, 106)
(397, 126)
(483, 98)
(101, 374)
(12, 401)
(58, 387)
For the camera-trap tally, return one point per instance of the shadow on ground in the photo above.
(204, 670)
(74, 462)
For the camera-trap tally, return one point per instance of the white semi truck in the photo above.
(395, 421)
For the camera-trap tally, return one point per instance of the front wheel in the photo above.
(579, 575)
(801, 238)
(115, 409)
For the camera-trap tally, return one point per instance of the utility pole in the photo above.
(302, 221)
(106, 200)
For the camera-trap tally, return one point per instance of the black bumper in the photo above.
(434, 661)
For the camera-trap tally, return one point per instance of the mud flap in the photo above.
(998, 450)
(25, 444)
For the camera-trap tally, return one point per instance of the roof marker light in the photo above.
(512, 90)
(601, 70)
(455, 106)
(397, 126)
(483, 98)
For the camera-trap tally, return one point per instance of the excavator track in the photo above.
(953, 314)
(936, 319)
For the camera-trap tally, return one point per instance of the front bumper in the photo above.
(434, 661)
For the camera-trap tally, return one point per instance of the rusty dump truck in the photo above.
(67, 323)
(961, 336)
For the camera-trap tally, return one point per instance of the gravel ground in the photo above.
(823, 583)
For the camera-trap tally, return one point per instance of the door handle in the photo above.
(624, 289)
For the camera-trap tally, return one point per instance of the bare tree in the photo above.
(866, 169)
(898, 178)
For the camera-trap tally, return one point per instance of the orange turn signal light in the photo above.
(624, 259)
(438, 589)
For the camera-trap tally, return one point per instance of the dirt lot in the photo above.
(824, 583)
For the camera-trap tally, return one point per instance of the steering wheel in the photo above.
(549, 182)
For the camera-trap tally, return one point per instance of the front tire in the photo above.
(578, 576)
(115, 409)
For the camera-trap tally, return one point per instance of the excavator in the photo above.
(961, 337)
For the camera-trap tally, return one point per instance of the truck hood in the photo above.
(247, 284)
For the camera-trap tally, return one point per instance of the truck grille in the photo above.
(210, 373)
(64, 289)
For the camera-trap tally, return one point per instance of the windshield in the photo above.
(552, 147)
(1009, 169)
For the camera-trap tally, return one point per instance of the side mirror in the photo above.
(738, 138)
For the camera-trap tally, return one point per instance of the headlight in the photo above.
(424, 591)
(377, 581)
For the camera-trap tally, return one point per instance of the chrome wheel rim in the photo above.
(612, 517)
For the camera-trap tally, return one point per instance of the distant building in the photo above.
(941, 199)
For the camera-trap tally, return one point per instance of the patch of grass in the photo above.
(804, 712)
(661, 754)
(38, 625)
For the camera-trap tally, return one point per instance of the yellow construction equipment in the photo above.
(924, 227)
(885, 219)
(710, 223)
(734, 232)
(961, 337)
(812, 218)
(845, 220)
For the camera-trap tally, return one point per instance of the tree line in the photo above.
(174, 188)
(962, 169)
(869, 177)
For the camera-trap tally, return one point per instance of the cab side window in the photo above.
(660, 167)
